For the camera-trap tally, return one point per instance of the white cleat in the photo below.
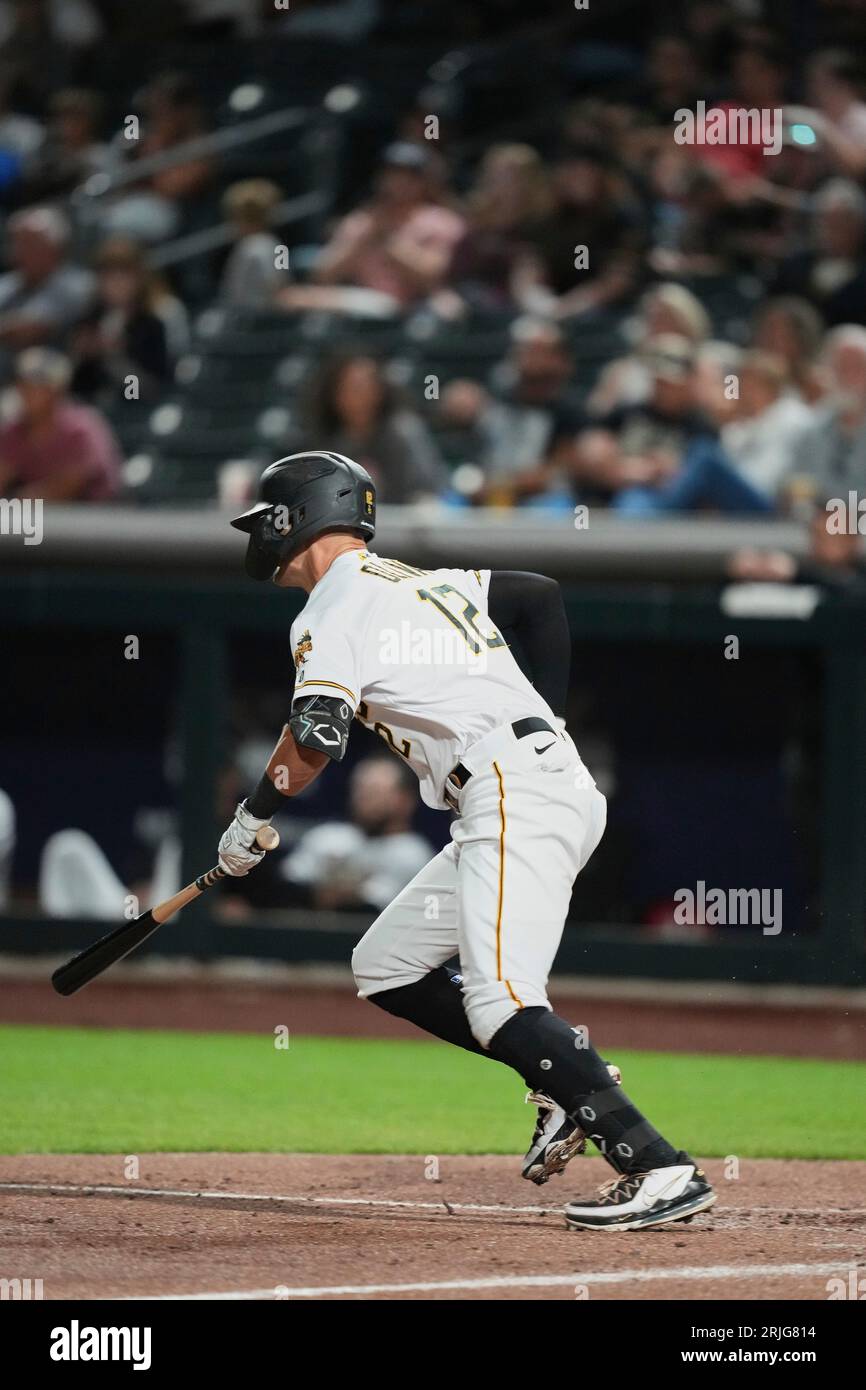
(557, 1139)
(635, 1201)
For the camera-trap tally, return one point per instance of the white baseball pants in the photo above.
(498, 895)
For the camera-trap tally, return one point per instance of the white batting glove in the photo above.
(238, 851)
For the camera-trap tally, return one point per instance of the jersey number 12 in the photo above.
(446, 598)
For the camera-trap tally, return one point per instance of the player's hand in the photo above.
(238, 851)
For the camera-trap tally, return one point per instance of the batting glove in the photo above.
(238, 851)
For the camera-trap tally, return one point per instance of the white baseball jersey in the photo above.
(415, 656)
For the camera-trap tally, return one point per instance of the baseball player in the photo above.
(426, 658)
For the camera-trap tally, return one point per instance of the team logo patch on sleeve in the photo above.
(304, 647)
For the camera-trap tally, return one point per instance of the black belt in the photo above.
(460, 774)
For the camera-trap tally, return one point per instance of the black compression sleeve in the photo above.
(265, 800)
(528, 610)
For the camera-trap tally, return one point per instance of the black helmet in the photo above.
(300, 497)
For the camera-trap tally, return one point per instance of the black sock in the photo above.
(552, 1057)
(576, 1076)
(434, 1003)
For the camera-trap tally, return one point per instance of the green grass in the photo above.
(65, 1090)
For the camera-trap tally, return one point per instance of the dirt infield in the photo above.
(301, 1226)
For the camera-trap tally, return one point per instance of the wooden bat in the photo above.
(90, 962)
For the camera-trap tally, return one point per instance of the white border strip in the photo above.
(517, 1281)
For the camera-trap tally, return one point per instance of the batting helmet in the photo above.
(300, 497)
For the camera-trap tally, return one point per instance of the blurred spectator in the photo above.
(72, 150)
(831, 273)
(662, 455)
(517, 440)
(758, 81)
(694, 224)
(709, 25)
(835, 560)
(401, 242)
(366, 861)
(55, 449)
(250, 277)
(20, 134)
(171, 114)
(792, 329)
(43, 294)
(123, 339)
(77, 880)
(75, 23)
(666, 308)
(834, 88)
(354, 410)
(511, 193)
(830, 457)
(716, 366)
(592, 210)
(439, 99)
(768, 423)
(41, 39)
(673, 78)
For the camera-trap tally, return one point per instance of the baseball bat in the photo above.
(90, 962)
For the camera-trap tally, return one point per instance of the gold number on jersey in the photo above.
(384, 732)
(464, 621)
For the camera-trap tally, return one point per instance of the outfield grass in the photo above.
(68, 1090)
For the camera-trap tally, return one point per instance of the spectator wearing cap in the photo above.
(250, 277)
(662, 454)
(44, 293)
(592, 209)
(124, 338)
(401, 242)
(520, 438)
(831, 272)
(55, 449)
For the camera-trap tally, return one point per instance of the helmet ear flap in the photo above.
(263, 550)
(260, 562)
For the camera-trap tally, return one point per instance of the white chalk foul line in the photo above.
(168, 1193)
(442, 1205)
(518, 1281)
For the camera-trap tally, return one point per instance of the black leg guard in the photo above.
(544, 1050)
(434, 1003)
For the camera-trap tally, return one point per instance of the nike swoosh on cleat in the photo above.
(545, 748)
